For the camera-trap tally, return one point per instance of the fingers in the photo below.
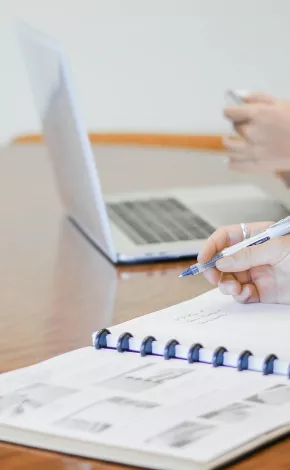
(222, 238)
(257, 166)
(242, 113)
(249, 294)
(253, 104)
(260, 98)
(247, 166)
(278, 164)
(246, 131)
(246, 156)
(241, 156)
(228, 236)
(238, 150)
(229, 285)
(241, 292)
(269, 253)
(234, 145)
(253, 165)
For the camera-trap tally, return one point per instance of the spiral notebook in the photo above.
(193, 386)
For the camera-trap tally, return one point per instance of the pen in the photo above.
(280, 228)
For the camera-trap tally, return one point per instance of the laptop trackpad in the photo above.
(232, 212)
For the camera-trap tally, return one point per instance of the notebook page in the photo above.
(186, 411)
(214, 319)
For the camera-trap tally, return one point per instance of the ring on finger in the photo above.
(244, 230)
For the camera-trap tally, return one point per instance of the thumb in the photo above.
(257, 98)
(271, 252)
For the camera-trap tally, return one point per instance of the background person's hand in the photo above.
(259, 273)
(263, 128)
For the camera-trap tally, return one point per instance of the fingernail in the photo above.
(231, 287)
(224, 263)
(228, 287)
(246, 292)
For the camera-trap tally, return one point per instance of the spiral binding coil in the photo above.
(101, 338)
(146, 346)
(169, 350)
(218, 356)
(123, 342)
(243, 360)
(193, 355)
(268, 365)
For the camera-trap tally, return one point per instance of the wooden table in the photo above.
(56, 288)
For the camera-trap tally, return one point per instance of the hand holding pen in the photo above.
(251, 261)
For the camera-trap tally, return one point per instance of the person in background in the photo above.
(262, 124)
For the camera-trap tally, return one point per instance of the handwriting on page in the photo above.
(201, 316)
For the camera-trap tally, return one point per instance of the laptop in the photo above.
(127, 228)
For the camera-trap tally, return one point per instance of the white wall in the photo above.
(151, 65)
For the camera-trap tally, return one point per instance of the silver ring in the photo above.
(244, 230)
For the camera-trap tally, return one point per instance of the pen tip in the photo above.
(180, 275)
(189, 272)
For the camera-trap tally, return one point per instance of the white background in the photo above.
(151, 65)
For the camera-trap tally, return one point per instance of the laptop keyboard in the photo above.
(158, 221)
